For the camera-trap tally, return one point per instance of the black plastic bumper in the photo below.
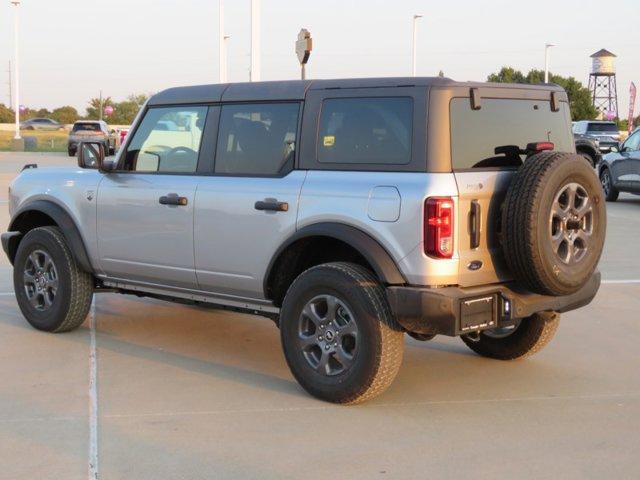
(456, 311)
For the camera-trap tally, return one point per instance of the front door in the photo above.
(248, 208)
(146, 207)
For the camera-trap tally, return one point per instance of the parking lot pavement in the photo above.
(186, 392)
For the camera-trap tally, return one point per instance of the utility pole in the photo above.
(413, 43)
(254, 75)
(16, 66)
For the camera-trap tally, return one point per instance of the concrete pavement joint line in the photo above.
(604, 396)
(619, 282)
(93, 396)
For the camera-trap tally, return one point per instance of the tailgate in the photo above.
(480, 196)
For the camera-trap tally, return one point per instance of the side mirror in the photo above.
(91, 155)
(616, 148)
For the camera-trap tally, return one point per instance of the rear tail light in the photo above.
(438, 227)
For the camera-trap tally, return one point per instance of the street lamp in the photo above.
(415, 34)
(546, 61)
(16, 68)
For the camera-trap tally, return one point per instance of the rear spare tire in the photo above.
(554, 223)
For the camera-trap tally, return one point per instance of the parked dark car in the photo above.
(41, 124)
(619, 170)
(606, 133)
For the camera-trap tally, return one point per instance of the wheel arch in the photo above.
(371, 253)
(40, 213)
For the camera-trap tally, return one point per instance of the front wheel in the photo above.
(338, 334)
(526, 337)
(52, 292)
(610, 192)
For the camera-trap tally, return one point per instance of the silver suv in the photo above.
(349, 211)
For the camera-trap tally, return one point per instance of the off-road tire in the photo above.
(380, 341)
(72, 300)
(588, 158)
(531, 336)
(526, 224)
(611, 193)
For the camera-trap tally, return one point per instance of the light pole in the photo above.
(221, 44)
(255, 41)
(546, 61)
(413, 45)
(16, 67)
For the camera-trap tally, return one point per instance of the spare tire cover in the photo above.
(554, 223)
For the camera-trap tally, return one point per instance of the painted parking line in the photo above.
(620, 282)
(93, 396)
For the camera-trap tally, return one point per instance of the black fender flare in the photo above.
(375, 254)
(64, 220)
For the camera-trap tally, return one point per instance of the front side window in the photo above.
(633, 143)
(157, 148)
(493, 135)
(257, 139)
(375, 131)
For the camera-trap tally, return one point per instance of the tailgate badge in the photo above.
(475, 265)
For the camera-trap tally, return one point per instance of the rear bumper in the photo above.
(457, 311)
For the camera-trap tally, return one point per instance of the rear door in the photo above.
(483, 176)
(247, 207)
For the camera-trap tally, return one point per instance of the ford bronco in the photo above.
(349, 211)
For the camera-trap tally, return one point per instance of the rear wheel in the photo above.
(53, 293)
(526, 337)
(610, 192)
(338, 335)
(588, 158)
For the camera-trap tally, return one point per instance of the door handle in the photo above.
(272, 205)
(475, 219)
(173, 199)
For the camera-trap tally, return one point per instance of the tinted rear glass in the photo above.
(366, 131)
(603, 127)
(475, 134)
(86, 127)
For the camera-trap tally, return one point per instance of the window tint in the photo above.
(86, 127)
(167, 140)
(475, 134)
(633, 143)
(608, 127)
(257, 139)
(366, 131)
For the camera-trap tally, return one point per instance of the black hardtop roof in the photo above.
(297, 89)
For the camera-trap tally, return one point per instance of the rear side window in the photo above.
(366, 131)
(257, 139)
(476, 134)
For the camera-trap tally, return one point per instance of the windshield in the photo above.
(603, 127)
(86, 127)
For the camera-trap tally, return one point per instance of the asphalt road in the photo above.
(191, 393)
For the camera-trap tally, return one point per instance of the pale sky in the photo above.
(70, 49)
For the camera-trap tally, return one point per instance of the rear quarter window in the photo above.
(374, 131)
(475, 134)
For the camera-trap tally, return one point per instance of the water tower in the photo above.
(602, 83)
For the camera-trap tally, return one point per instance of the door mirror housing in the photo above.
(91, 155)
(616, 148)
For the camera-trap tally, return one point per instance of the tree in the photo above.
(93, 110)
(65, 115)
(579, 96)
(7, 114)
